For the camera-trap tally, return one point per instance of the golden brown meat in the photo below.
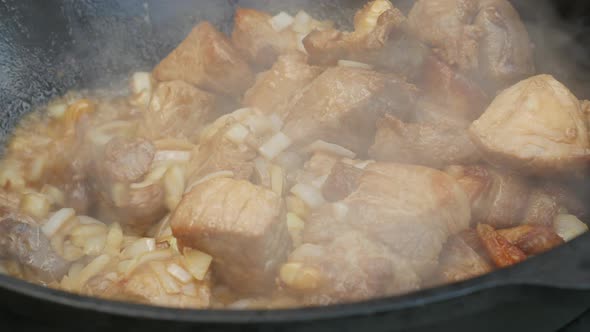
(502, 252)
(342, 105)
(350, 268)
(255, 38)
(404, 207)
(206, 59)
(536, 127)
(177, 109)
(483, 38)
(128, 160)
(275, 87)
(435, 146)
(224, 211)
(532, 239)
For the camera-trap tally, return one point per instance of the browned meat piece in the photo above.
(206, 59)
(536, 126)
(342, 105)
(342, 181)
(258, 41)
(22, 240)
(459, 261)
(218, 153)
(350, 268)
(275, 87)
(404, 207)
(461, 97)
(176, 109)
(224, 211)
(422, 144)
(128, 159)
(532, 239)
(483, 38)
(502, 252)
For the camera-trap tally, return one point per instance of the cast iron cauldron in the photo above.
(50, 46)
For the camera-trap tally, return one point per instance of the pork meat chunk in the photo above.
(207, 60)
(275, 87)
(177, 109)
(342, 105)
(483, 38)
(350, 268)
(435, 146)
(536, 127)
(241, 225)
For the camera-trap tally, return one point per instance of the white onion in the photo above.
(237, 133)
(568, 226)
(179, 273)
(140, 82)
(56, 196)
(156, 255)
(139, 247)
(86, 220)
(92, 269)
(190, 289)
(210, 176)
(172, 155)
(197, 262)
(262, 169)
(294, 222)
(323, 146)
(281, 21)
(310, 195)
(94, 245)
(173, 186)
(170, 286)
(340, 210)
(259, 124)
(276, 121)
(153, 176)
(302, 22)
(56, 221)
(114, 239)
(277, 179)
(35, 205)
(354, 64)
(57, 110)
(275, 145)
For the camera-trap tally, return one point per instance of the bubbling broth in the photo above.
(295, 164)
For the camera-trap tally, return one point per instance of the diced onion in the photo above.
(94, 245)
(297, 206)
(237, 133)
(56, 221)
(153, 177)
(86, 220)
(337, 150)
(210, 176)
(190, 289)
(172, 155)
(308, 194)
(297, 276)
(119, 194)
(35, 205)
(263, 172)
(57, 110)
(83, 232)
(37, 167)
(197, 262)
(92, 269)
(173, 186)
(274, 146)
(179, 273)
(259, 124)
(281, 21)
(141, 81)
(139, 247)
(277, 179)
(56, 196)
(354, 64)
(114, 239)
(568, 226)
(71, 252)
(295, 226)
(276, 121)
(156, 255)
(170, 286)
(302, 22)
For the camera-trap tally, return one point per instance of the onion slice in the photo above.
(354, 64)
(275, 145)
(281, 21)
(56, 221)
(197, 262)
(310, 195)
(337, 150)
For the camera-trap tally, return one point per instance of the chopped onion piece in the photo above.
(57, 110)
(297, 206)
(173, 186)
(281, 21)
(71, 252)
(170, 286)
(92, 269)
(114, 239)
(322, 146)
(294, 223)
(274, 146)
(86, 220)
(354, 64)
(568, 226)
(35, 205)
(140, 82)
(210, 176)
(153, 177)
(302, 22)
(309, 194)
(197, 262)
(340, 210)
(276, 121)
(156, 255)
(262, 171)
(82, 232)
(94, 245)
(56, 221)
(237, 133)
(172, 155)
(190, 289)
(56, 196)
(179, 273)
(277, 179)
(139, 247)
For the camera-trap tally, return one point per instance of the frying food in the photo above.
(296, 163)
